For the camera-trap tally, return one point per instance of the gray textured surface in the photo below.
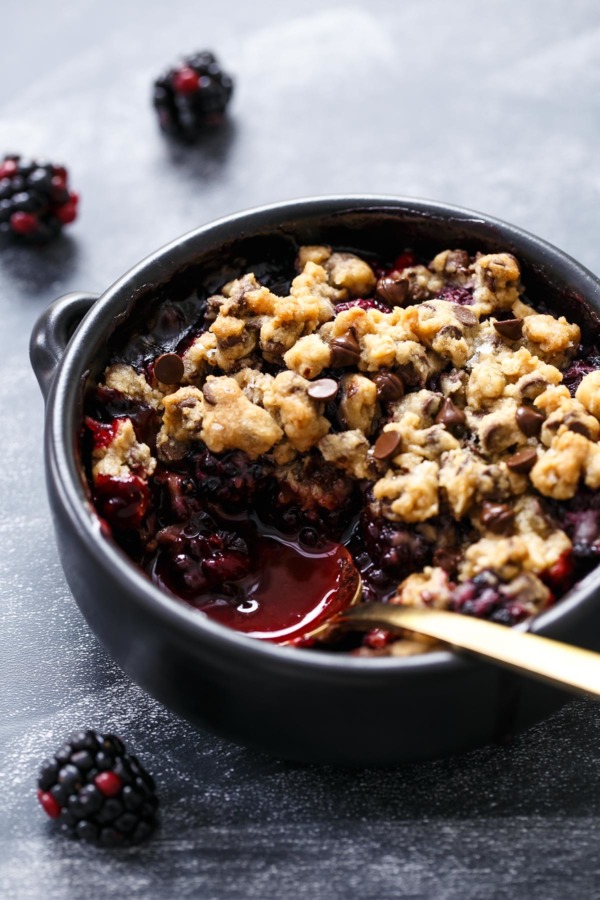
(493, 106)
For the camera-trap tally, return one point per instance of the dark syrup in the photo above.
(292, 592)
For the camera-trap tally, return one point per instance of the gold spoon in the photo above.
(563, 665)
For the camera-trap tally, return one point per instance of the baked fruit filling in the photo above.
(421, 422)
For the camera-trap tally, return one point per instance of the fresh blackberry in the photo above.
(35, 200)
(192, 96)
(98, 791)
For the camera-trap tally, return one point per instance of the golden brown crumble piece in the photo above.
(509, 556)
(588, 393)
(570, 459)
(124, 456)
(222, 416)
(184, 412)
(465, 478)
(552, 340)
(431, 587)
(309, 305)
(232, 422)
(128, 382)
(299, 417)
(358, 403)
(309, 356)
(346, 272)
(315, 253)
(349, 450)
(421, 283)
(454, 264)
(496, 281)
(445, 327)
(351, 273)
(409, 491)
(311, 483)
(414, 419)
(254, 384)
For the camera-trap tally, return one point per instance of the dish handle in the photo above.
(53, 331)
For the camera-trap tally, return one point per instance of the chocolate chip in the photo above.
(387, 445)
(323, 389)
(448, 560)
(523, 461)
(168, 368)
(391, 291)
(464, 315)
(497, 517)
(345, 351)
(457, 261)
(209, 394)
(389, 387)
(529, 420)
(579, 428)
(511, 329)
(450, 416)
(451, 332)
(531, 386)
(496, 436)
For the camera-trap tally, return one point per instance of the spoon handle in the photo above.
(561, 664)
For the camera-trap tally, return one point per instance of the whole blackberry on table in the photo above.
(98, 791)
(35, 200)
(193, 96)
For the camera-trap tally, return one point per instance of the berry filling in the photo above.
(252, 466)
(372, 303)
(587, 361)
(487, 598)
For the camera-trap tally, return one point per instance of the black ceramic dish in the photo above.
(308, 706)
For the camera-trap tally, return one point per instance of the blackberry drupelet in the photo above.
(586, 361)
(456, 294)
(35, 200)
(98, 791)
(230, 479)
(193, 96)
(487, 597)
(370, 303)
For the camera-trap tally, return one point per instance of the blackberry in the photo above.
(370, 303)
(397, 549)
(197, 557)
(486, 597)
(192, 96)
(453, 293)
(35, 200)
(587, 360)
(98, 791)
(229, 479)
(580, 518)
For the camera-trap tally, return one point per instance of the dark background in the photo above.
(489, 105)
